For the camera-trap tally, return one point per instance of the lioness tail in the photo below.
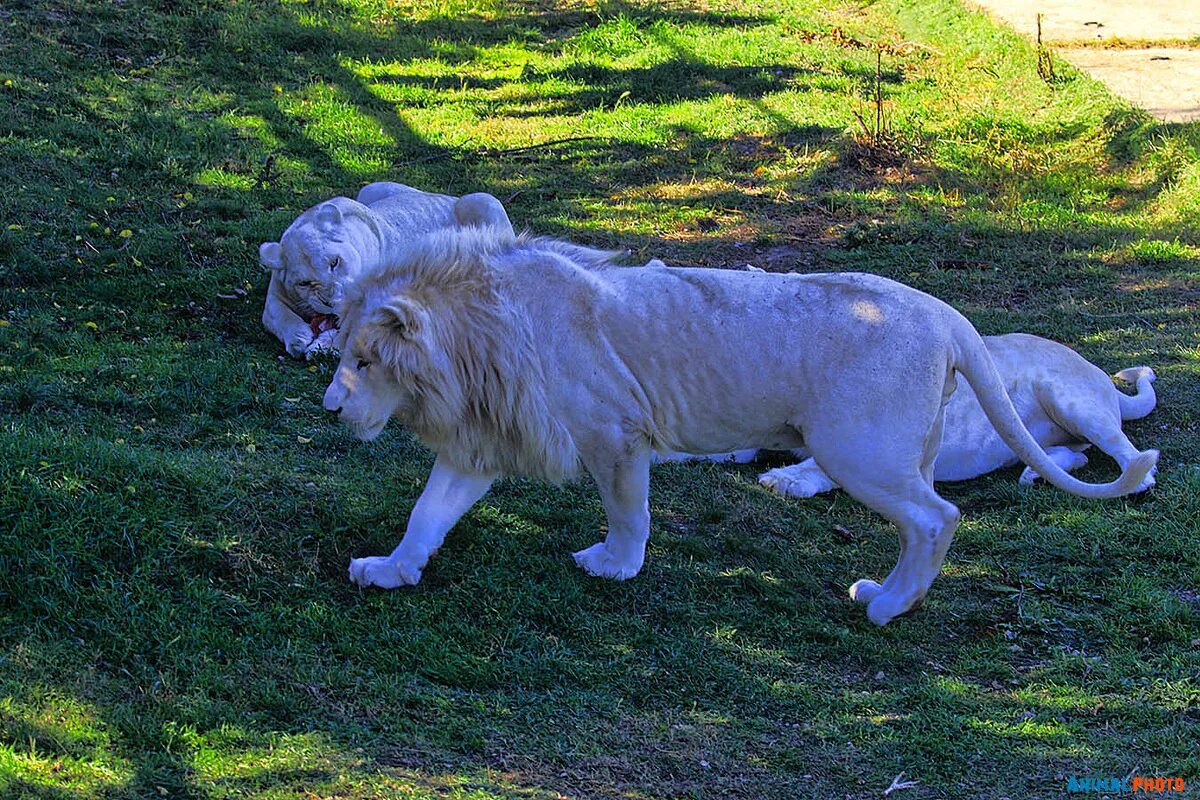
(1143, 401)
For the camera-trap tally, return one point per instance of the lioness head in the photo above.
(327, 246)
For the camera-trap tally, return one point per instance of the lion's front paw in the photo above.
(865, 591)
(323, 343)
(597, 560)
(297, 344)
(792, 482)
(381, 571)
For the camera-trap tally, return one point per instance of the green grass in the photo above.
(176, 515)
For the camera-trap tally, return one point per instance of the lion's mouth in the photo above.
(323, 322)
(366, 431)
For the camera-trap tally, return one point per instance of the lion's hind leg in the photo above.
(1095, 419)
(891, 472)
(482, 210)
(926, 524)
(1068, 458)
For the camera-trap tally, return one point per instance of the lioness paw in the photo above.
(598, 561)
(1148, 482)
(888, 605)
(1068, 460)
(323, 343)
(381, 571)
(794, 482)
(298, 342)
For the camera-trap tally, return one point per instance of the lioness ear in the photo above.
(402, 317)
(270, 255)
(329, 215)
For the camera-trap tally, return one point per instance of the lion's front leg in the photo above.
(623, 479)
(283, 322)
(448, 495)
(324, 342)
(805, 479)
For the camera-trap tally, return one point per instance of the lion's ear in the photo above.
(270, 254)
(329, 215)
(401, 317)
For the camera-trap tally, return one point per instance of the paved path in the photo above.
(1161, 74)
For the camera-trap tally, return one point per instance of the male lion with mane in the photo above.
(519, 356)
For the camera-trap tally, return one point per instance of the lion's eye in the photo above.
(337, 262)
(363, 363)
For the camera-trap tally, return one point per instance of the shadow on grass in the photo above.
(711, 673)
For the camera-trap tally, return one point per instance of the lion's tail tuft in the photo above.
(1143, 401)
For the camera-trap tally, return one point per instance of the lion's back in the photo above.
(415, 212)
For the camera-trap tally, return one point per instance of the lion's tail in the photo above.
(1142, 402)
(975, 363)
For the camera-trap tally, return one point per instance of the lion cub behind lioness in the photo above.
(510, 355)
(335, 242)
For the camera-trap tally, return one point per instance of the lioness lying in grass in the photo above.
(509, 355)
(337, 241)
(1065, 401)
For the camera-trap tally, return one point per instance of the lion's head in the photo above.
(435, 342)
(387, 351)
(329, 245)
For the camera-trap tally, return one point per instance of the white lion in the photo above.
(1065, 401)
(337, 241)
(523, 356)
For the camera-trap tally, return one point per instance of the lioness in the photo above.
(1065, 401)
(511, 355)
(339, 240)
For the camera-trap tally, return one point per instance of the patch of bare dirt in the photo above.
(1164, 79)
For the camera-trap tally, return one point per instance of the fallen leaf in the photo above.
(304, 439)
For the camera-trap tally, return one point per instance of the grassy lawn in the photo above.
(176, 514)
